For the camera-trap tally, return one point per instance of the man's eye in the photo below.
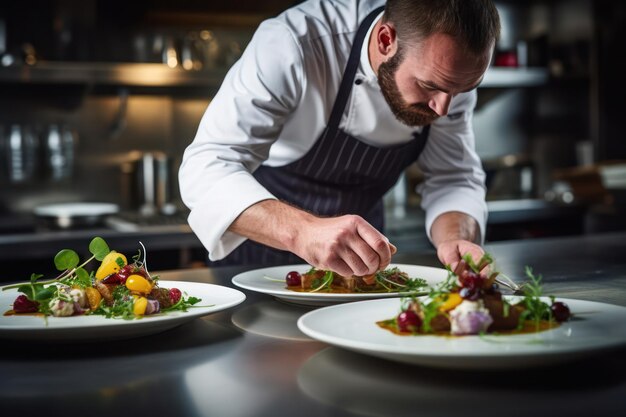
(428, 87)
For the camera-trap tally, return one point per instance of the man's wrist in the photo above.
(455, 225)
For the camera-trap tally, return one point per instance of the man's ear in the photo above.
(386, 40)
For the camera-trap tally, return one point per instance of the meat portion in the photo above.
(367, 283)
(106, 291)
(504, 318)
(162, 295)
(312, 277)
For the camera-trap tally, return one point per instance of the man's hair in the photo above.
(475, 23)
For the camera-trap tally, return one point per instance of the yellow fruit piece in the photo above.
(93, 297)
(138, 284)
(450, 302)
(140, 305)
(109, 265)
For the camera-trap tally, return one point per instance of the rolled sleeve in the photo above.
(235, 135)
(211, 218)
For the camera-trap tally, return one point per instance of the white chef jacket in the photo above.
(275, 102)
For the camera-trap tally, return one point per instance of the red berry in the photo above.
(560, 311)
(408, 321)
(23, 305)
(293, 278)
(472, 280)
(175, 295)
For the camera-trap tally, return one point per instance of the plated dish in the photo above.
(271, 281)
(89, 328)
(104, 288)
(595, 327)
(469, 302)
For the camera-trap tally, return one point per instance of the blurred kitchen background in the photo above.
(98, 100)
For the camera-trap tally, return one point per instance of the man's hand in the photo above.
(451, 251)
(454, 234)
(347, 244)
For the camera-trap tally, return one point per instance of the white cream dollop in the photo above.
(470, 317)
(78, 295)
(61, 308)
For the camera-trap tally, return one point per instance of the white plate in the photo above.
(595, 327)
(76, 209)
(257, 280)
(90, 328)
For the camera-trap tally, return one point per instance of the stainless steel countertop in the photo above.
(253, 361)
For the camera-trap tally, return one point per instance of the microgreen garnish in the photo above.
(183, 304)
(273, 279)
(536, 310)
(410, 285)
(325, 282)
(67, 261)
(107, 295)
(483, 308)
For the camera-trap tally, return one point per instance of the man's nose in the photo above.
(440, 103)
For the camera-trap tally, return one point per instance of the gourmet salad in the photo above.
(319, 280)
(116, 288)
(469, 302)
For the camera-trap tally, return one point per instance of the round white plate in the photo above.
(594, 327)
(76, 209)
(272, 281)
(90, 328)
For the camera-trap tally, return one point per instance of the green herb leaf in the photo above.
(193, 300)
(326, 281)
(66, 259)
(35, 277)
(82, 277)
(45, 294)
(28, 290)
(120, 262)
(99, 248)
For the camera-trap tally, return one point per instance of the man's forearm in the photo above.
(346, 244)
(455, 225)
(272, 223)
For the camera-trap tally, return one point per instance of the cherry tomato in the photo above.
(293, 278)
(408, 321)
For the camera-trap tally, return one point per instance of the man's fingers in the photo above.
(377, 242)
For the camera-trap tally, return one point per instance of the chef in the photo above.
(330, 102)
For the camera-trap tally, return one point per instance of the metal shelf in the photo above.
(124, 74)
(160, 75)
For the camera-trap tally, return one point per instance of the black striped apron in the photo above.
(339, 175)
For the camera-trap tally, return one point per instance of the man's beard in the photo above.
(418, 114)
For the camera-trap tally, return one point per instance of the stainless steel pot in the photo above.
(148, 184)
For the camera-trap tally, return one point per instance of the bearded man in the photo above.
(329, 104)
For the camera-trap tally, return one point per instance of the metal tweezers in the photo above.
(508, 283)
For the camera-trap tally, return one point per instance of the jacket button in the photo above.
(358, 81)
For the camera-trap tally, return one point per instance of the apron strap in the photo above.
(348, 76)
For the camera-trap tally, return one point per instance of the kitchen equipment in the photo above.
(148, 185)
(73, 215)
(19, 148)
(60, 146)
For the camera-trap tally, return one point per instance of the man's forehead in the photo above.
(451, 70)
